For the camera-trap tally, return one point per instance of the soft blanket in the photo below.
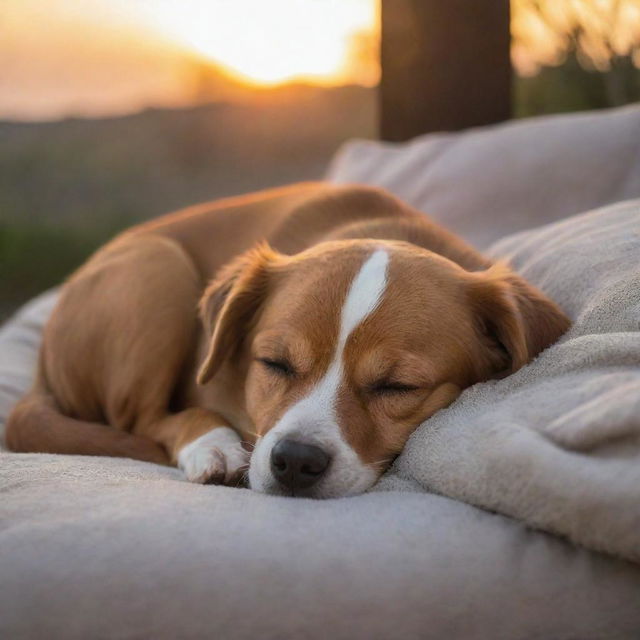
(99, 547)
(114, 548)
(557, 445)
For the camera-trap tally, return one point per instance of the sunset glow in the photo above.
(107, 57)
(267, 42)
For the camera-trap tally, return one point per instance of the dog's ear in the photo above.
(230, 303)
(515, 315)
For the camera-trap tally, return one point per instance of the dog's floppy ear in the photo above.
(230, 303)
(515, 314)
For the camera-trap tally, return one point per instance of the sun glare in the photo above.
(267, 41)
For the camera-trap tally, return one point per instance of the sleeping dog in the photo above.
(317, 325)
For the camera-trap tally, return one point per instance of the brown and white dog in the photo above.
(337, 320)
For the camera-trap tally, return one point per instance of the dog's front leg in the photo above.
(203, 445)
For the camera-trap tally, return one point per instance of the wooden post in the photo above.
(445, 65)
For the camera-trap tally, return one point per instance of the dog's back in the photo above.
(123, 344)
(291, 219)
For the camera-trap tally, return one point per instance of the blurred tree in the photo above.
(575, 54)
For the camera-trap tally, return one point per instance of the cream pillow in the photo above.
(490, 182)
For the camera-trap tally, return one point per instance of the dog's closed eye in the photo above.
(279, 366)
(388, 387)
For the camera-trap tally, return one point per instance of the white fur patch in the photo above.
(313, 420)
(216, 456)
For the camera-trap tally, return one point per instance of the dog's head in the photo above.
(344, 349)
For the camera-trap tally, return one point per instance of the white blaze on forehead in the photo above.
(364, 295)
(314, 419)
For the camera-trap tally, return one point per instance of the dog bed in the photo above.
(99, 547)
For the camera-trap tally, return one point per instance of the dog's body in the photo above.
(337, 320)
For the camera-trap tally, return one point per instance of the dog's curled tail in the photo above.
(36, 425)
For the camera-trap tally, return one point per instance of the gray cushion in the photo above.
(117, 548)
(94, 547)
(489, 182)
(98, 547)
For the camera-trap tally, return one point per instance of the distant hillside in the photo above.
(67, 186)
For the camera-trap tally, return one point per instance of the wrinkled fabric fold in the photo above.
(557, 444)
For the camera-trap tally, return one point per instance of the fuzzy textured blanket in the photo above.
(557, 445)
(99, 547)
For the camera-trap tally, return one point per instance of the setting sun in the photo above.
(60, 55)
(267, 42)
(108, 57)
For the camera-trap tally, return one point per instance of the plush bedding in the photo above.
(108, 547)
(557, 444)
(99, 547)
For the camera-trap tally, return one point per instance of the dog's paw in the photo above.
(216, 457)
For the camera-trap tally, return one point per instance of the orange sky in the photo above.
(105, 57)
(94, 57)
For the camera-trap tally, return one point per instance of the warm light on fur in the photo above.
(333, 317)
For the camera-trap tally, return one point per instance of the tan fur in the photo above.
(269, 273)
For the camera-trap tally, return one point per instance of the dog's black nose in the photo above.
(296, 465)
